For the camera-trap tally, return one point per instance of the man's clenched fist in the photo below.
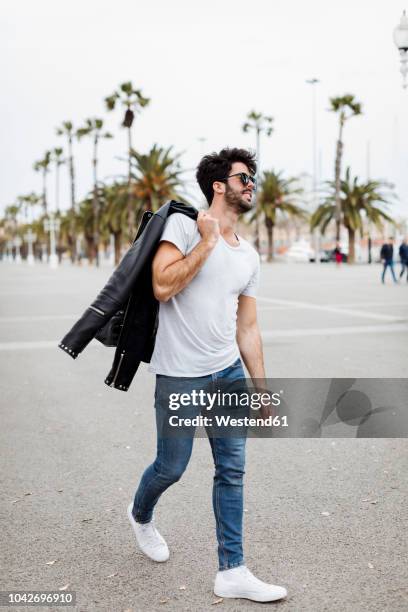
(208, 227)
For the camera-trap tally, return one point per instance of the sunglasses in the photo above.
(245, 178)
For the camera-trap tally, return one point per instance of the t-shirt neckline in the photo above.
(234, 248)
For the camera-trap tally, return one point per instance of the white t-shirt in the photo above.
(197, 327)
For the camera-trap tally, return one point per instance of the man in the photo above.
(387, 258)
(206, 277)
(403, 253)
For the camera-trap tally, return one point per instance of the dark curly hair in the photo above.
(216, 166)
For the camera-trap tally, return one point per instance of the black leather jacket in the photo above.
(129, 288)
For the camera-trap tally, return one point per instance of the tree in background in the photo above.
(277, 195)
(67, 130)
(156, 177)
(69, 227)
(58, 160)
(114, 217)
(43, 166)
(260, 124)
(10, 226)
(358, 199)
(133, 100)
(28, 203)
(93, 128)
(346, 107)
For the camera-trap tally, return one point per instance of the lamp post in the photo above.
(30, 238)
(52, 225)
(17, 243)
(314, 82)
(401, 42)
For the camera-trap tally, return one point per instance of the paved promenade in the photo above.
(324, 517)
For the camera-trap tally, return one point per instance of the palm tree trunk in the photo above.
(351, 241)
(337, 174)
(256, 240)
(57, 209)
(118, 243)
(71, 172)
(57, 166)
(95, 202)
(269, 231)
(256, 207)
(72, 177)
(90, 248)
(45, 206)
(131, 216)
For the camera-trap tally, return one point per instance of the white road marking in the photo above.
(30, 318)
(38, 344)
(335, 309)
(267, 336)
(276, 307)
(334, 331)
(349, 304)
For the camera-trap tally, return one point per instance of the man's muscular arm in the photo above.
(172, 271)
(249, 338)
(250, 346)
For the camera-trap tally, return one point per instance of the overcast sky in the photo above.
(204, 65)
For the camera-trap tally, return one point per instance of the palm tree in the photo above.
(58, 161)
(114, 200)
(43, 166)
(28, 202)
(260, 124)
(157, 177)
(133, 100)
(93, 128)
(278, 196)
(11, 213)
(67, 130)
(70, 226)
(346, 106)
(86, 225)
(357, 200)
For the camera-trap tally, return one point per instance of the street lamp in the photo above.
(401, 42)
(17, 243)
(314, 82)
(52, 226)
(30, 238)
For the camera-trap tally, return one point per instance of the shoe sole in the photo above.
(132, 522)
(247, 595)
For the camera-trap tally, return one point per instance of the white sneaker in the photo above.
(240, 582)
(149, 539)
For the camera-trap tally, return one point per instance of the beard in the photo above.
(236, 200)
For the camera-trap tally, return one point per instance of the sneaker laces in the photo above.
(249, 575)
(151, 535)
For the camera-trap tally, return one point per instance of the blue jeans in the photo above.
(390, 265)
(173, 454)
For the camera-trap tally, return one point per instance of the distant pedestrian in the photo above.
(338, 254)
(387, 258)
(403, 253)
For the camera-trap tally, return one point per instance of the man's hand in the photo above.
(208, 227)
(267, 409)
